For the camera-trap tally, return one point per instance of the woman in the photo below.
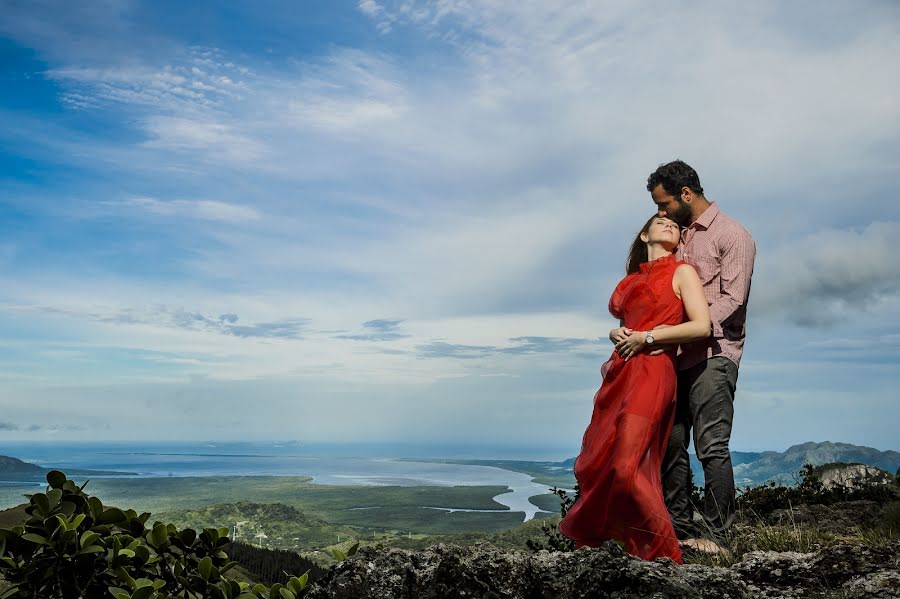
(659, 303)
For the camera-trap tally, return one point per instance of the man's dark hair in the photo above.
(674, 176)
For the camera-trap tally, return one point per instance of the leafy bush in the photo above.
(73, 546)
(554, 540)
(763, 499)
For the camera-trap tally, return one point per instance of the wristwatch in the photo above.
(649, 338)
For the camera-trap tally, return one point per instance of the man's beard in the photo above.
(683, 215)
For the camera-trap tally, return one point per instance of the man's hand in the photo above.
(619, 334)
(632, 344)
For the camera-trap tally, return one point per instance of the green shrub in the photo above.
(763, 499)
(73, 546)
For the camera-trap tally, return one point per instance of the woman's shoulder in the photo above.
(683, 269)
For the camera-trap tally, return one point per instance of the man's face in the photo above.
(672, 207)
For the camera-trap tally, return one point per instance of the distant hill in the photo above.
(15, 469)
(755, 468)
(284, 526)
(15, 466)
(752, 468)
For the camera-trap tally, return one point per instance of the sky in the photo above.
(400, 221)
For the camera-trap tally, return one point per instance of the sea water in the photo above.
(262, 459)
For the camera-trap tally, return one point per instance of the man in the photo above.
(722, 252)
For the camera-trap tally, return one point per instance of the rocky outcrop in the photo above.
(484, 571)
(837, 571)
(449, 571)
(852, 476)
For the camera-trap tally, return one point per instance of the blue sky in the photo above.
(401, 221)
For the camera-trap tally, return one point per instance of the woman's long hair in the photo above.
(637, 255)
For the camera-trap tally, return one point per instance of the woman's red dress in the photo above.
(618, 469)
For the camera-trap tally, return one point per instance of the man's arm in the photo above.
(737, 268)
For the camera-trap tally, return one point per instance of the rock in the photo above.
(852, 476)
(839, 571)
(880, 585)
(483, 571)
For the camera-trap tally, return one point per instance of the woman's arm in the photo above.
(697, 326)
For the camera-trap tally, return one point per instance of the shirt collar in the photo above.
(708, 216)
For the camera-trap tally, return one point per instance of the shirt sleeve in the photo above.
(738, 256)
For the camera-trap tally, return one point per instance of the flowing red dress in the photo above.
(618, 469)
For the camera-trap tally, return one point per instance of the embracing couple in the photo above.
(682, 309)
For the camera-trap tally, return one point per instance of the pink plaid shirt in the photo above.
(722, 252)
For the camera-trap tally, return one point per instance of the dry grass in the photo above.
(755, 534)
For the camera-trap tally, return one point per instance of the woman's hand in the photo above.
(619, 334)
(632, 344)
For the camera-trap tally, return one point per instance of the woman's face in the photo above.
(665, 232)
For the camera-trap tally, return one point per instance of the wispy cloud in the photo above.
(378, 330)
(520, 346)
(200, 209)
(178, 318)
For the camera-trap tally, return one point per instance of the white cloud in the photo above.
(212, 140)
(200, 209)
(831, 275)
(370, 7)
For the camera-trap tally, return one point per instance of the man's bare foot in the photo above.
(703, 546)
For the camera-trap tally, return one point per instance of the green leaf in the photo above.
(30, 536)
(42, 503)
(63, 522)
(88, 537)
(159, 536)
(286, 594)
(228, 566)
(143, 593)
(188, 536)
(126, 552)
(91, 549)
(142, 553)
(56, 479)
(296, 584)
(96, 507)
(54, 495)
(112, 515)
(338, 555)
(353, 550)
(77, 521)
(205, 567)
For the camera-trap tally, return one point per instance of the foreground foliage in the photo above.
(73, 546)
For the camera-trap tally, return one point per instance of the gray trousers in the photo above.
(705, 404)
